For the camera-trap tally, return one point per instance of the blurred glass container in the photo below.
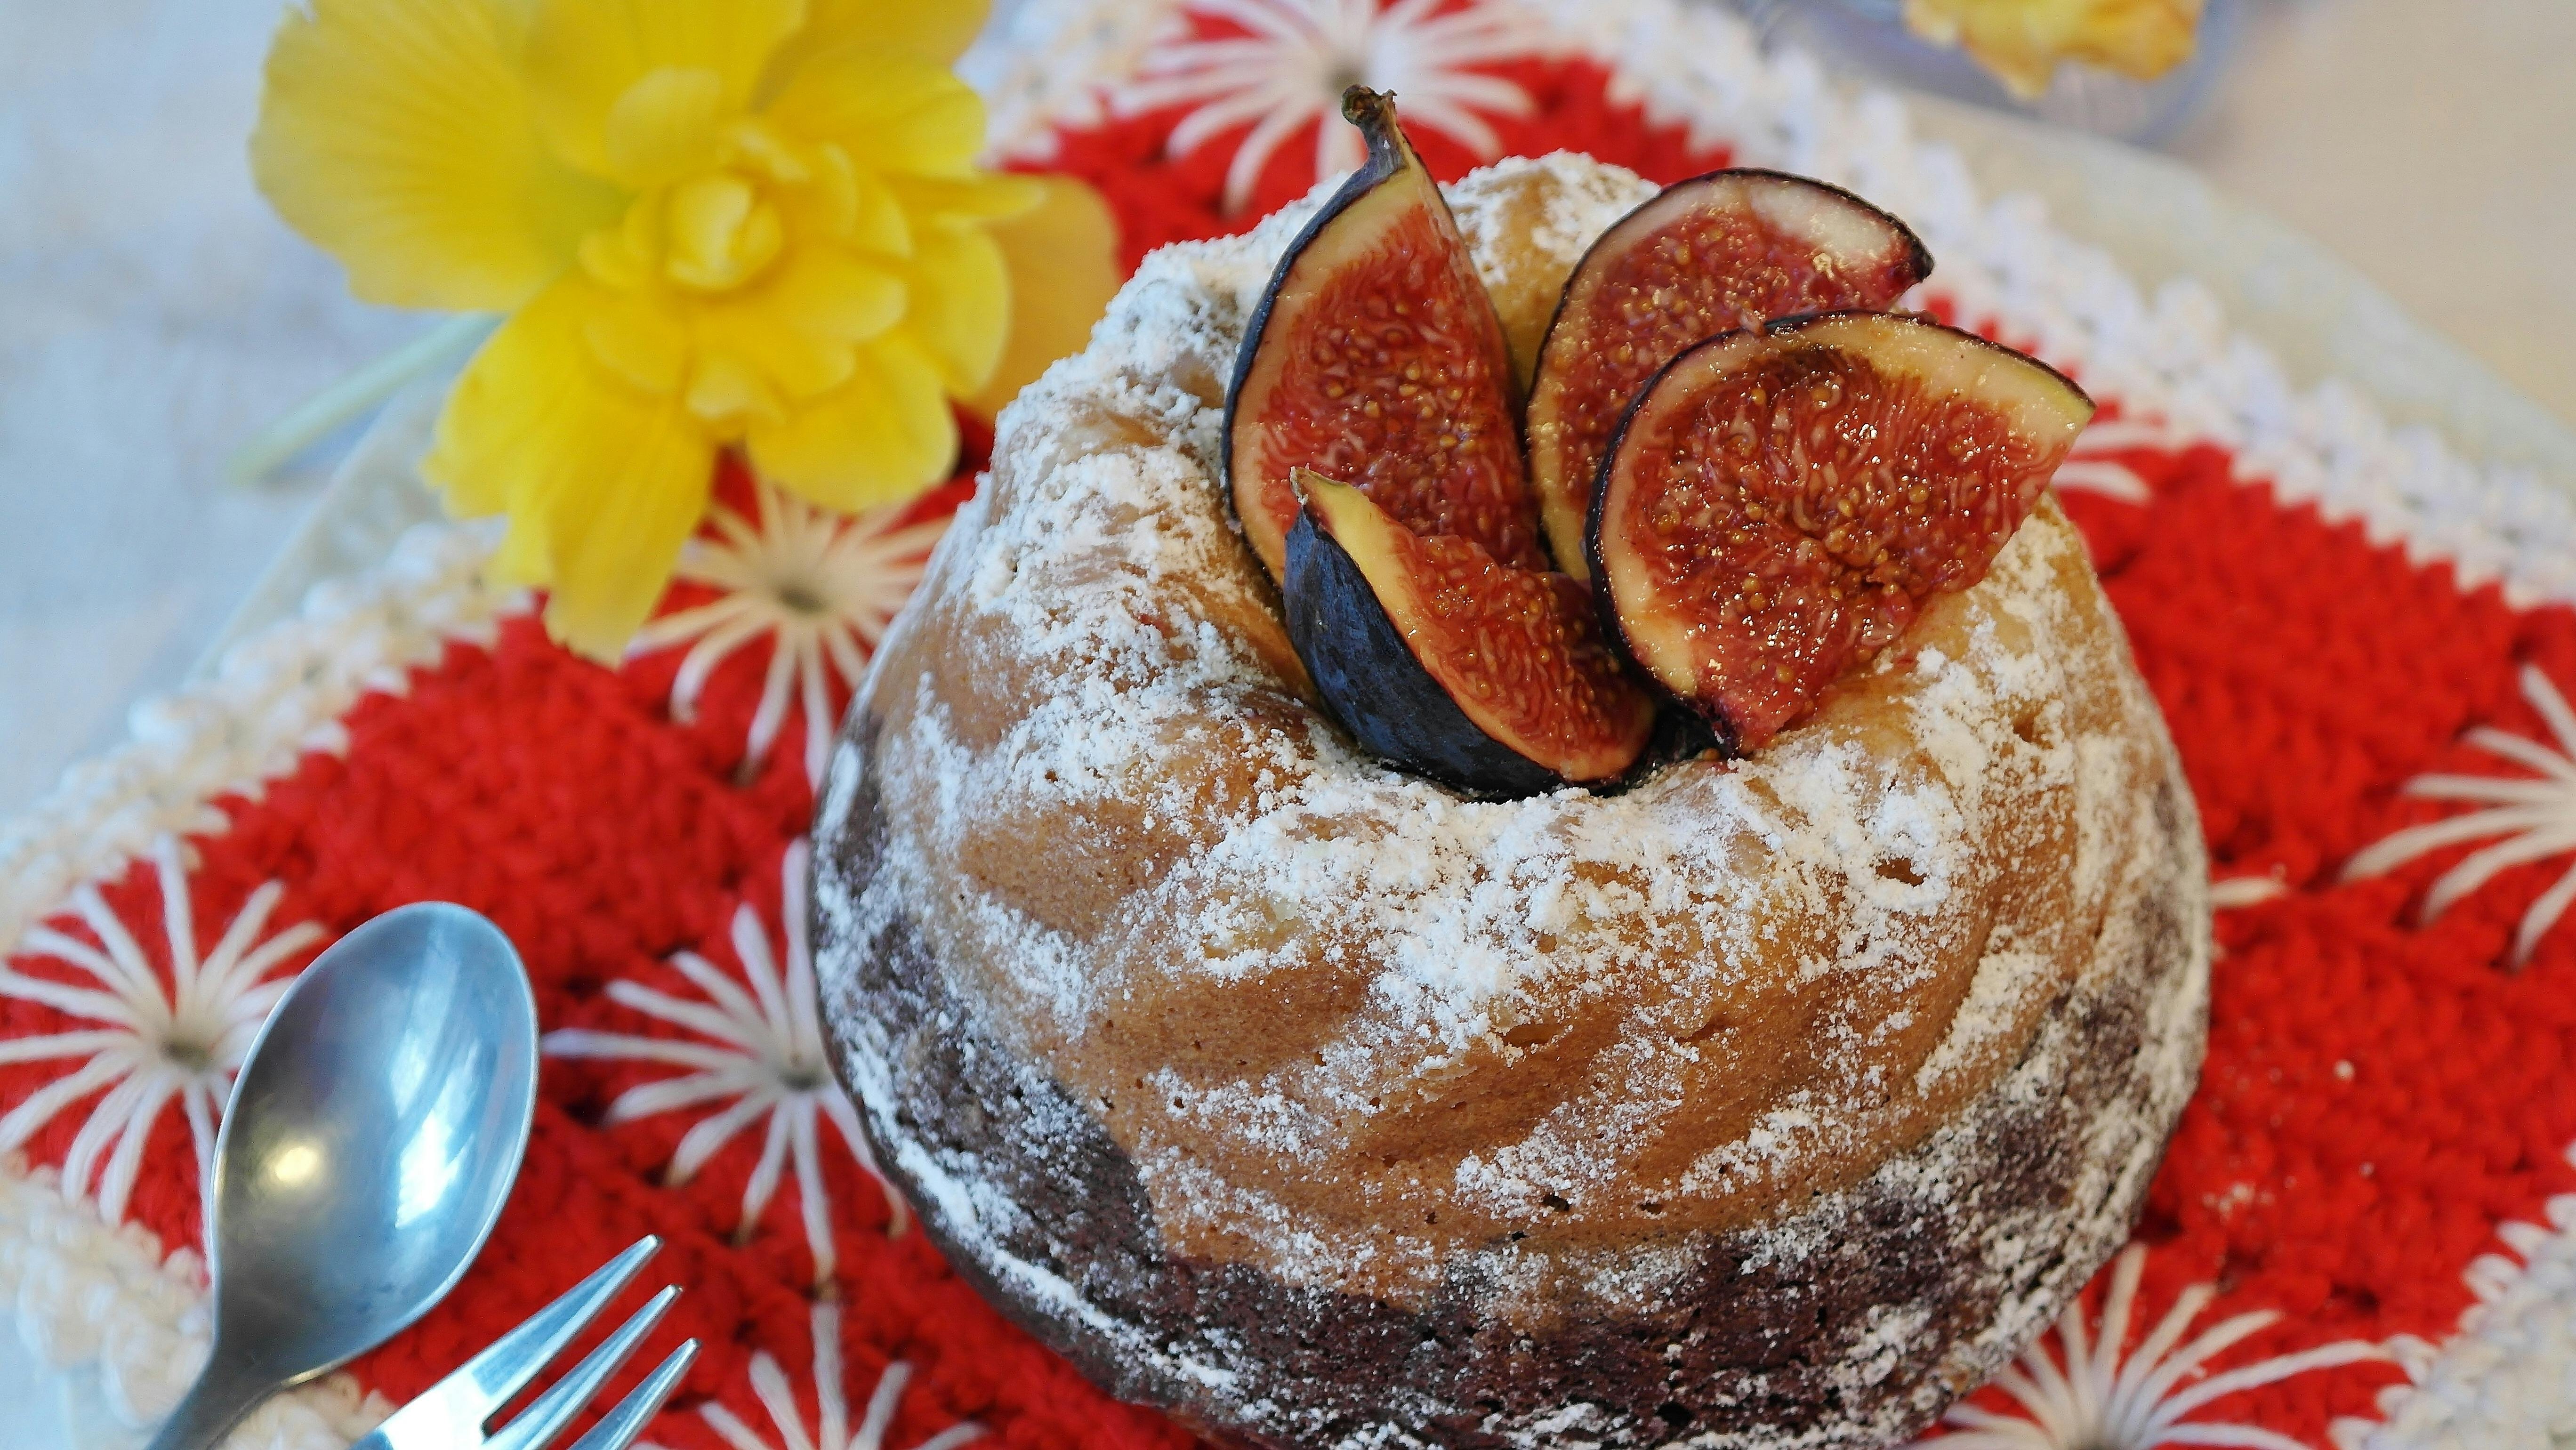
(1871, 36)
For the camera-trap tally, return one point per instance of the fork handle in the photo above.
(219, 1400)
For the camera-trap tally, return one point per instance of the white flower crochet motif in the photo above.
(2089, 468)
(156, 1041)
(2535, 816)
(831, 1402)
(763, 1057)
(820, 584)
(2234, 893)
(2096, 1400)
(1290, 70)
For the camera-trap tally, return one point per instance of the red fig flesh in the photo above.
(1376, 358)
(1440, 659)
(1778, 504)
(1729, 250)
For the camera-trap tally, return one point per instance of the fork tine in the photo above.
(618, 1428)
(452, 1411)
(550, 1412)
(500, 1372)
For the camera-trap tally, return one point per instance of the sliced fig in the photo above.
(1729, 250)
(1376, 357)
(1778, 504)
(1450, 664)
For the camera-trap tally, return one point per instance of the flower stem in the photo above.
(316, 417)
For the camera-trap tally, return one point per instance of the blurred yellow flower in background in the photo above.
(2022, 41)
(712, 223)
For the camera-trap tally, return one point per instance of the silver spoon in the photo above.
(373, 1135)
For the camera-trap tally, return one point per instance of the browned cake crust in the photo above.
(1859, 1343)
(1773, 1103)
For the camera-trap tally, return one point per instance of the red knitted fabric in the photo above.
(2380, 1092)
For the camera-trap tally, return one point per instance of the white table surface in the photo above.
(153, 314)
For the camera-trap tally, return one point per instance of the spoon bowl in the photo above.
(374, 1133)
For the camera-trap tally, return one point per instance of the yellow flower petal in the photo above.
(989, 197)
(937, 31)
(664, 126)
(1063, 263)
(726, 393)
(395, 135)
(772, 349)
(875, 219)
(2142, 38)
(794, 363)
(890, 111)
(2022, 41)
(583, 56)
(516, 381)
(960, 302)
(602, 484)
(638, 343)
(635, 484)
(881, 437)
(719, 232)
(833, 294)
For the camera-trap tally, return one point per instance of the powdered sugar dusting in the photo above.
(1574, 199)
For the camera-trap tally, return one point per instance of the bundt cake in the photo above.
(1771, 1099)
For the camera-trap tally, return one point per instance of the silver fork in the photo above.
(450, 1414)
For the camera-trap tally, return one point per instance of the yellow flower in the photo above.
(2022, 41)
(713, 223)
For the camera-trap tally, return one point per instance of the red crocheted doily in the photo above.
(2381, 1090)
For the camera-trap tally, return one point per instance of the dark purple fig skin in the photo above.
(1680, 734)
(1388, 153)
(1391, 172)
(1373, 686)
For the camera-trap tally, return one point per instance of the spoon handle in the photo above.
(219, 1400)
